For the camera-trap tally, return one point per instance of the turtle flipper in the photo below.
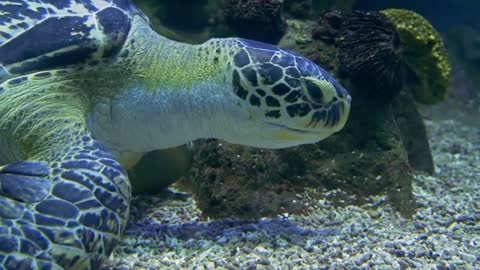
(63, 214)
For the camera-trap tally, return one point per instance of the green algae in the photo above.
(425, 55)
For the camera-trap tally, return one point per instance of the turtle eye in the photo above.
(313, 91)
(319, 91)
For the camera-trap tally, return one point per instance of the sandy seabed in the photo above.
(166, 231)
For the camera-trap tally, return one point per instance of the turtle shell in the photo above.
(46, 34)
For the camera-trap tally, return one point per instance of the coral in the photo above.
(370, 53)
(256, 19)
(425, 55)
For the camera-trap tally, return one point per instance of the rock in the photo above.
(413, 133)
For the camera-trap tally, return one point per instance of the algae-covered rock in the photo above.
(230, 180)
(425, 55)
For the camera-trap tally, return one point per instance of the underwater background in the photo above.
(397, 188)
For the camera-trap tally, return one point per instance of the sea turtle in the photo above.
(86, 87)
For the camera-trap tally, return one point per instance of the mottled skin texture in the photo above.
(69, 127)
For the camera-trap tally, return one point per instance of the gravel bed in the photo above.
(167, 232)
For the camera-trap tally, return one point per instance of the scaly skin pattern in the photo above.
(64, 201)
(67, 130)
(65, 214)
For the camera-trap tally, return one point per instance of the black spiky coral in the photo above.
(370, 53)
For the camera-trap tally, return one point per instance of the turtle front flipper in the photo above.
(68, 213)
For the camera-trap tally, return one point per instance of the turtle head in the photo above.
(287, 99)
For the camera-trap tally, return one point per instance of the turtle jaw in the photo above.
(292, 136)
(315, 127)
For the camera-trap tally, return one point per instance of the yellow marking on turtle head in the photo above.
(285, 136)
(328, 90)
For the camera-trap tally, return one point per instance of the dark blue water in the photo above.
(441, 13)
